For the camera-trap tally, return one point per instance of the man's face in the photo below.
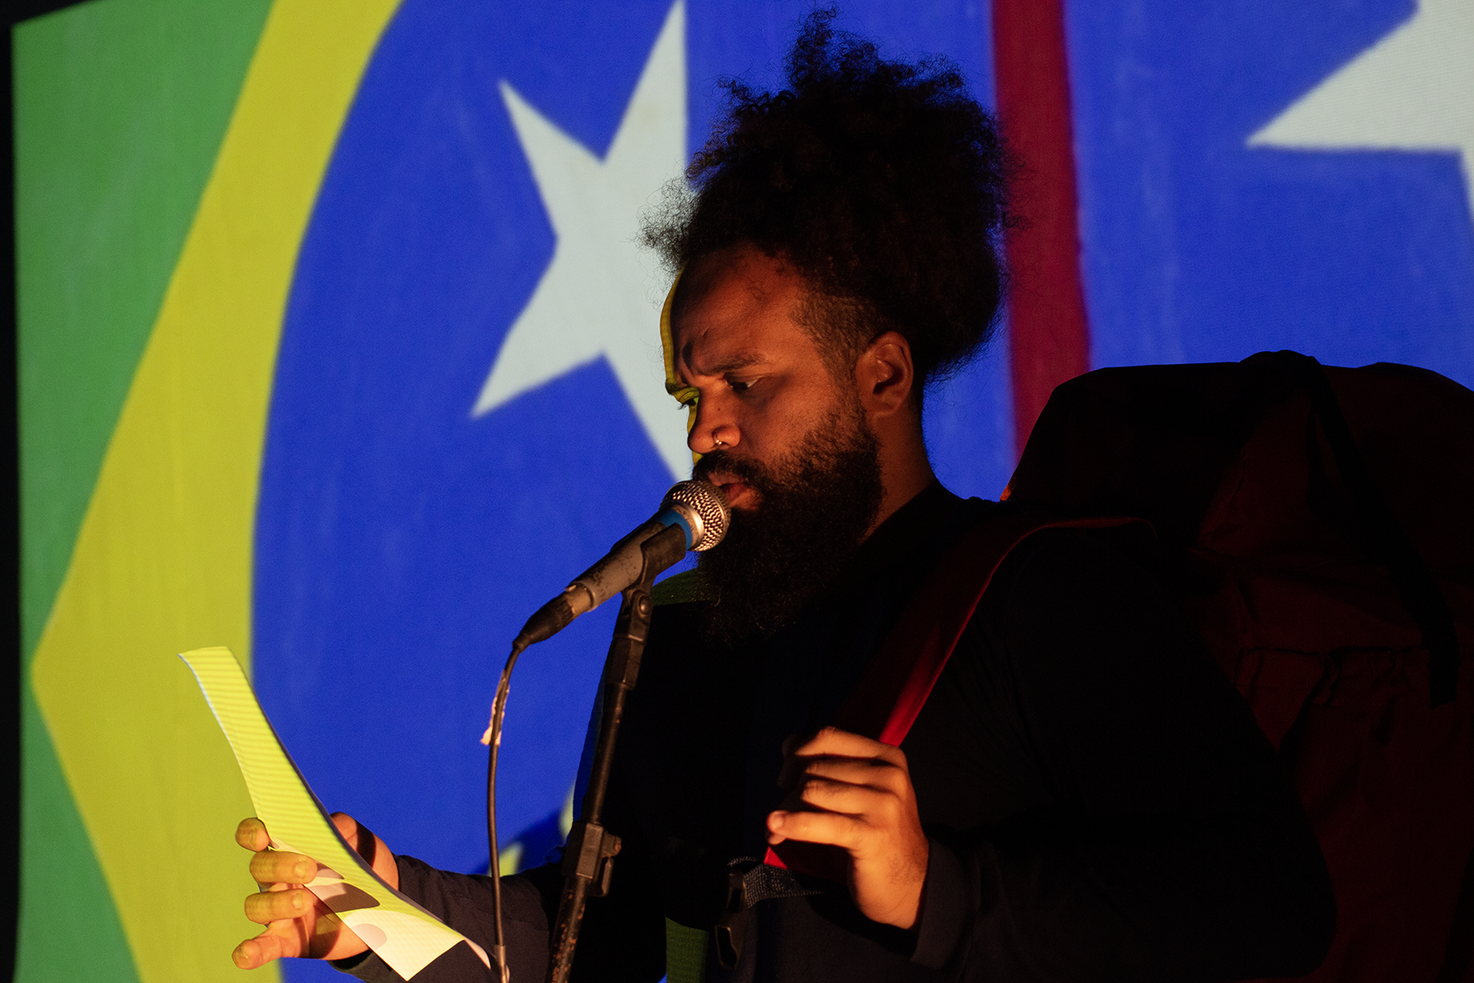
(763, 388)
(786, 442)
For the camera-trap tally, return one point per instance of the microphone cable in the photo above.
(494, 742)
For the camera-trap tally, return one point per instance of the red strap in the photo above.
(895, 686)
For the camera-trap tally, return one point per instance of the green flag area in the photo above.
(166, 165)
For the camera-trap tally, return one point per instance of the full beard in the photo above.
(814, 507)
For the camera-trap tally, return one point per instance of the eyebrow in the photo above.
(741, 360)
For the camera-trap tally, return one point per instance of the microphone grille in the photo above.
(705, 501)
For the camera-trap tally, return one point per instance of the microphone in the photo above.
(693, 513)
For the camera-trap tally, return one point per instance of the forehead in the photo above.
(741, 302)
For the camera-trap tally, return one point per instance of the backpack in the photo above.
(1318, 525)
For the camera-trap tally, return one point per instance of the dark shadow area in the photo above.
(10, 654)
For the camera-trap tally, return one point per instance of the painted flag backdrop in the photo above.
(335, 347)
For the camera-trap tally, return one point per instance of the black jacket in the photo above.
(1100, 802)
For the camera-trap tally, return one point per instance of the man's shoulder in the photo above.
(1008, 537)
(686, 587)
(1040, 567)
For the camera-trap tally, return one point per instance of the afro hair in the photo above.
(881, 182)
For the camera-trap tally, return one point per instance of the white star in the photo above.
(1412, 90)
(592, 301)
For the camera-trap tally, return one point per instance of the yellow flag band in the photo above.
(684, 394)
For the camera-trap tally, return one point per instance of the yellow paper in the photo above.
(405, 936)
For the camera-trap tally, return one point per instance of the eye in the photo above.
(740, 385)
(687, 396)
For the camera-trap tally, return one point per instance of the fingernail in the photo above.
(302, 870)
(775, 819)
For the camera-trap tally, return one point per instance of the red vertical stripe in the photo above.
(1048, 337)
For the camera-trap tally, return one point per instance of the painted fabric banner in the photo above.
(336, 348)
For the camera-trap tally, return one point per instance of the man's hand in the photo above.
(297, 924)
(856, 794)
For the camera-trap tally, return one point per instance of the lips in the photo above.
(738, 493)
(740, 480)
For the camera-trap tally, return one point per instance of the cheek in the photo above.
(784, 422)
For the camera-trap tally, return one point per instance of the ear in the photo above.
(885, 376)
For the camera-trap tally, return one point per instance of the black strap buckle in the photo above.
(749, 881)
(731, 927)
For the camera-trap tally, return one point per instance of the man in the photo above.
(1082, 797)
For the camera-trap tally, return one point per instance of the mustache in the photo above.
(747, 471)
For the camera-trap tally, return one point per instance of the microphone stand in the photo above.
(588, 857)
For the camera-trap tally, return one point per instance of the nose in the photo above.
(714, 429)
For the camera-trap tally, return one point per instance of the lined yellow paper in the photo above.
(405, 936)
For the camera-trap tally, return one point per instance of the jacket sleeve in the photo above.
(621, 937)
(463, 901)
(1165, 840)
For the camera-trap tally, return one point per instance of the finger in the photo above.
(267, 947)
(374, 851)
(280, 867)
(859, 801)
(815, 827)
(792, 763)
(831, 741)
(885, 773)
(349, 828)
(869, 772)
(275, 906)
(834, 743)
(795, 765)
(357, 835)
(252, 835)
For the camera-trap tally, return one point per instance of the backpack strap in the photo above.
(895, 686)
(1388, 541)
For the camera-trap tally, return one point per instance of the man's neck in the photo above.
(904, 473)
